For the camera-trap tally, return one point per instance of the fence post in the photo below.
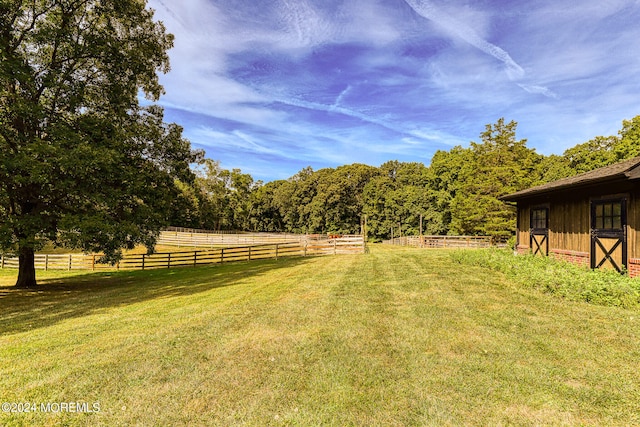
(169, 260)
(195, 258)
(221, 255)
(93, 262)
(335, 246)
(46, 262)
(143, 255)
(276, 252)
(305, 248)
(249, 253)
(2, 259)
(70, 261)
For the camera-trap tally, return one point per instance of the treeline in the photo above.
(456, 194)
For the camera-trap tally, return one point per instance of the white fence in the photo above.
(213, 255)
(442, 241)
(204, 239)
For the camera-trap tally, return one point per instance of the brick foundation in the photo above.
(581, 258)
(574, 257)
(634, 267)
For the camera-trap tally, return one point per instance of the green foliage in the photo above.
(328, 200)
(81, 163)
(603, 151)
(629, 144)
(499, 165)
(560, 278)
(456, 194)
(593, 154)
(396, 198)
(552, 168)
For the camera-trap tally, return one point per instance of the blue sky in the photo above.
(273, 86)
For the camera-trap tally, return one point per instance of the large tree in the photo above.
(629, 144)
(501, 164)
(82, 163)
(398, 196)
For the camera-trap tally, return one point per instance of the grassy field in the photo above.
(397, 337)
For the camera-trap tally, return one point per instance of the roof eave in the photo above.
(531, 193)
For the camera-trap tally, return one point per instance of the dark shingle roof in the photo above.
(628, 169)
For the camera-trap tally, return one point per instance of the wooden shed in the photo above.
(591, 219)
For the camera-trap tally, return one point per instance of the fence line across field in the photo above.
(349, 245)
(285, 235)
(201, 238)
(442, 241)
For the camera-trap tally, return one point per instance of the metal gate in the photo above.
(609, 234)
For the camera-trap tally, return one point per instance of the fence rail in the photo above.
(200, 239)
(203, 239)
(442, 241)
(193, 258)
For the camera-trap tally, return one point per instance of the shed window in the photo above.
(539, 218)
(608, 216)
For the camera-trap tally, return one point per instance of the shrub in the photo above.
(560, 278)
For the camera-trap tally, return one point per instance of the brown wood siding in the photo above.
(524, 219)
(633, 223)
(570, 217)
(569, 225)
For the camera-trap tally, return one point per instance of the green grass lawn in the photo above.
(396, 337)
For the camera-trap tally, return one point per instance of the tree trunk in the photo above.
(26, 268)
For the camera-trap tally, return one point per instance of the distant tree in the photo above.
(396, 198)
(211, 187)
(295, 197)
(265, 215)
(378, 205)
(593, 154)
(605, 150)
(447, 173)
(552, 168)
(240, 186)
(337, 204)
(186, 207)
(82, 164)
(629, 142)
(501, 164)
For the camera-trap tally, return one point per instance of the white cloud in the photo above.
(538, 90)
(424, 73)
(340, 97)
(308, 26)
(236, 140)
(370, 21)
(457, 28)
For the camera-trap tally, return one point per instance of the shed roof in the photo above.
(625, 170)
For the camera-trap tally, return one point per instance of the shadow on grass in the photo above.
(58, 299)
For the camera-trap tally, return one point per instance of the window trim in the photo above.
(608, 218)
(534, 222)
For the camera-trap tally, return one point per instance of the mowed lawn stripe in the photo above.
(396, 337)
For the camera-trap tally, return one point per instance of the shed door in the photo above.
(608, 234)
(539, 231)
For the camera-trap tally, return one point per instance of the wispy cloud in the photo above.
(340, 98)
(538, 89)
(284, 83)
(367, 118)
(457, 28)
